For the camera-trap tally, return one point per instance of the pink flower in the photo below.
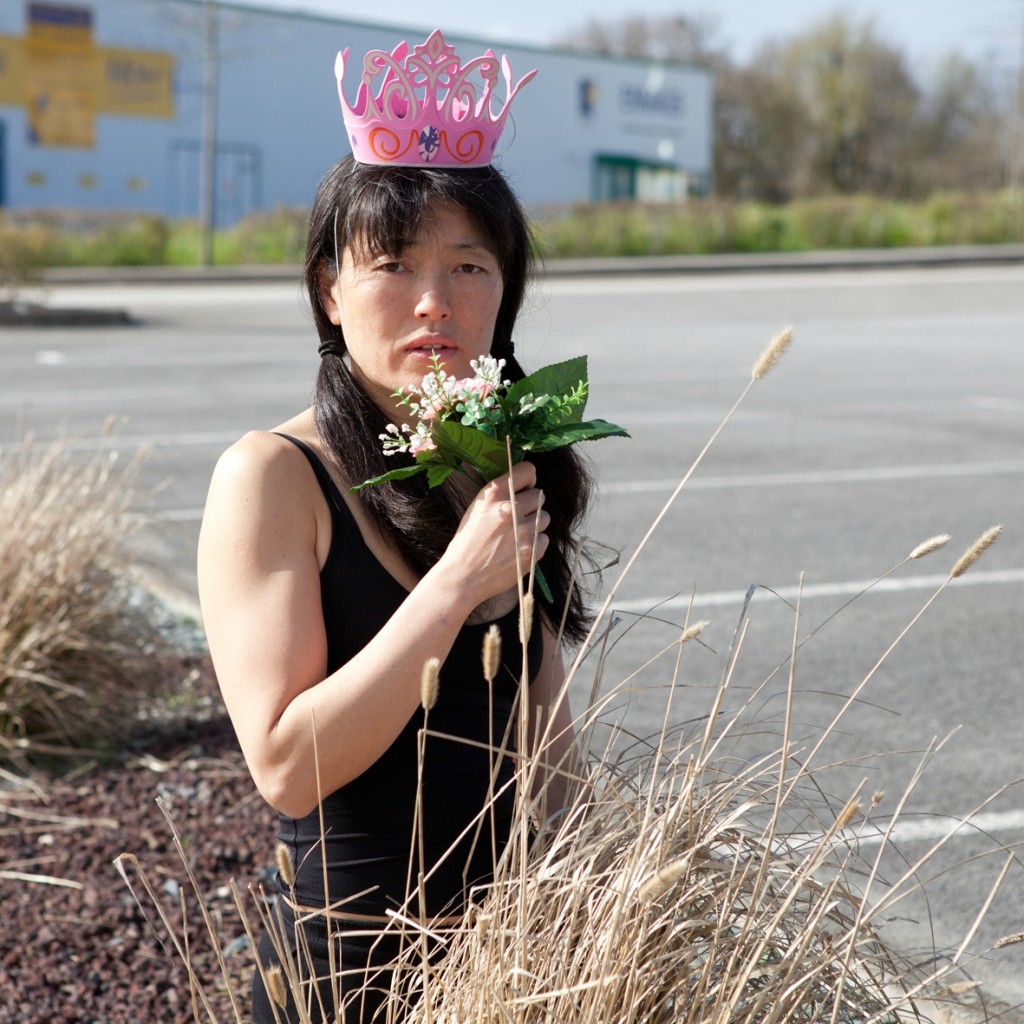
(474, 386)
(421, 443)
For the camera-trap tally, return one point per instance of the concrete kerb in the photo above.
(822, 260)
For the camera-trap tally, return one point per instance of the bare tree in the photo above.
(677, 38)
(835, 109)
(961, 130)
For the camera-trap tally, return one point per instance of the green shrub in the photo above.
(24, 252)
(35, 240)
(700, 226)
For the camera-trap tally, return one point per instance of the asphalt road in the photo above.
(898, 414)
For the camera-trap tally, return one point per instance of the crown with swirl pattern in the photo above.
(427, 111)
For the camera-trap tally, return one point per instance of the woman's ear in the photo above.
(326, 285)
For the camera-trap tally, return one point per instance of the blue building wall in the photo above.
(279, 124)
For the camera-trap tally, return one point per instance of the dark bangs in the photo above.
(380, 209)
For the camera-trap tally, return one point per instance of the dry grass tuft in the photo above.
(79, 647)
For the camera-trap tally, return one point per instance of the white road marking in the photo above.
(941, 277)
(811, 591)
(828, 476)
(932, 828)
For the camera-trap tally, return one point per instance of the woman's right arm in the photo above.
(259, 584)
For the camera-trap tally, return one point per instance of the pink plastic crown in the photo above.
(426, 111)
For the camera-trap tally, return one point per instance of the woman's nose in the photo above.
(433, 304)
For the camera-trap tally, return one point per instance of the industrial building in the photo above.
(102, 107)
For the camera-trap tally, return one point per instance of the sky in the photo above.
(989, 30)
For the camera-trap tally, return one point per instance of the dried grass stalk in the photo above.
(79, 647)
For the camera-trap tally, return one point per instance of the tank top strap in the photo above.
(323, 477)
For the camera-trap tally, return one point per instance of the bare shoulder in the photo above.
(260, 482)
(261, 462)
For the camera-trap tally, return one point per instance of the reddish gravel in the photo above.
(84, 953)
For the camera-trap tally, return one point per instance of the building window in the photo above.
(623, 177)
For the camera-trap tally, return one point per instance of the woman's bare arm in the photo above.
(260, 592)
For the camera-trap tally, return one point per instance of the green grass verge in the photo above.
(33, 241)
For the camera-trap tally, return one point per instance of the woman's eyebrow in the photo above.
(473, 247)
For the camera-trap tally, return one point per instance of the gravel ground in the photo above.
(75, 946)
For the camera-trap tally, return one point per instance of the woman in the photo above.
(322, 606)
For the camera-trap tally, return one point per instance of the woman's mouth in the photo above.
(431, 350)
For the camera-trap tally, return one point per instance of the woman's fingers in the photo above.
(503, 531)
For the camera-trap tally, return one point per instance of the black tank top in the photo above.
(369, 822)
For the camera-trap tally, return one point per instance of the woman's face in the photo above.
(438, 297)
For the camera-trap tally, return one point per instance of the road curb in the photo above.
(820, 260)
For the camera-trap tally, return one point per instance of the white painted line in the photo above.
(810, 477)
(936, 277)
(131, 442)
(842, 588)
(179, 515)
(932, 828)
(148, 395)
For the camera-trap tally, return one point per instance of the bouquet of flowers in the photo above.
(474, 423)
(479, 423)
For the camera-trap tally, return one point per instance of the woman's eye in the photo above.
(470, 268)
(391, 266)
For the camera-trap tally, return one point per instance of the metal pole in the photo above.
(208, 142)
(1014, 182)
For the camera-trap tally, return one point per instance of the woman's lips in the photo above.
(429, 349)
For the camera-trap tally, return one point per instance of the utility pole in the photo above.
(208, 142)
(1018, 183)
(1015, 174)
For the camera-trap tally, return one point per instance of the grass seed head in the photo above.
(848, 813)
(285, 864)
(772, 354)
(527, 617)
(492, 652)
(663, 879)
(694, 631)
(1010, 940)
(975, 551)
(276, 988)
(931, 544)
(430, 683)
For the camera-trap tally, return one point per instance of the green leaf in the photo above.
(570, 433)
(395, 474)
(556, 379)
(436, 475)
(541, 580)
(467, 444)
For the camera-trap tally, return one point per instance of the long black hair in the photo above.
(379, 209)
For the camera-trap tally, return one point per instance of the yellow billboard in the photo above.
(60, 75)
(138, 82)
(12, 71)
(64, 80)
